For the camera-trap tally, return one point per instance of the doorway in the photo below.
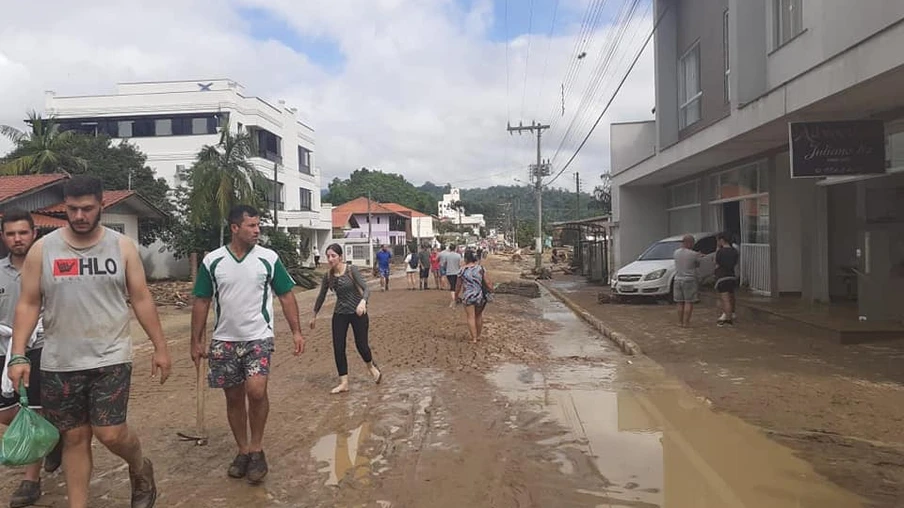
(731, 220)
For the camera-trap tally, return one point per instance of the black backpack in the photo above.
(413, 262)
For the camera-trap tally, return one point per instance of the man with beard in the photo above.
(18, 229)
(242, 277)
(85, 275)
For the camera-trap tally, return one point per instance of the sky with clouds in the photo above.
(424, 88)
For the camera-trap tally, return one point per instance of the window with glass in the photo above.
(359, 251)
(689, 92)
(789, 20)
(304, 160)
(269, 145)
(684, 208)
(748, 180)
(305, 198)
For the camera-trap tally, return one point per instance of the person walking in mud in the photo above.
(424, 267)
(384, 256)
(18, 230)
(435, 268)
(726, 280)
(352, 294)
(240, 276)
(411, 268)
(451, 264)
(473, 290)
(685, 287)
(85, 276)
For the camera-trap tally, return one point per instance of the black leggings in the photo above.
(340, 331)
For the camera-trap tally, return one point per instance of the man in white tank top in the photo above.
(84, 276)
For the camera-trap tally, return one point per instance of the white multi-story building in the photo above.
(771, 118)
(449, 212)
(171, 121)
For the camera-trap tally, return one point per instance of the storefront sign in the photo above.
(837, 148)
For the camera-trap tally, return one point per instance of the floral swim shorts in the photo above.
(231, 363)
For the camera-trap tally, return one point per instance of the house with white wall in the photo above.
(170, 121)
(746, 139)
(42, 196)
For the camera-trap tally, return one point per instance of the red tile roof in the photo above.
(12, 186)
(46, 222)
(110, 198)
(395, 207)
(343, 212)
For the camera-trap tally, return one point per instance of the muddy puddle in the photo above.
(653, 443)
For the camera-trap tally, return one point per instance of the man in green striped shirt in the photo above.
(240, 279)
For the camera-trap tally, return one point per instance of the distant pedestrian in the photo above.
(424, 267)
(411, 268)
(384, 256)
(473, 290)
(451, 264)
(435, 268)
(685, 286)
(316, 253)
(352, 294)
(726, 279)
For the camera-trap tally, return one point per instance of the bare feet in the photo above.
(343, 385)
(375, 372)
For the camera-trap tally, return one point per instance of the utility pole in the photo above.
(370, 242)
(540, 171)
(577, 192)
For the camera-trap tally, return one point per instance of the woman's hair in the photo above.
(336, 248)
(331, 278)
(470, 256)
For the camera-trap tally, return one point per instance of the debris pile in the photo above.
(171, 292)
(520, 288)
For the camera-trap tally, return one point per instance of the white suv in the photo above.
(652, 274)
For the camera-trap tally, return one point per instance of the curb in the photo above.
(626, 345)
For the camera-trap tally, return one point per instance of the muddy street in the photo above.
(543, 412)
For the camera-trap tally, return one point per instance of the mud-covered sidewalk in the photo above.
(841, 407)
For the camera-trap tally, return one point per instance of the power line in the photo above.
(552, 28)
(588, 27)
(530, 23)
(615, 94)
(604, 68)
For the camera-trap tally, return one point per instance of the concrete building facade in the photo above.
(731, 75)
(171, 121)
(449, 212)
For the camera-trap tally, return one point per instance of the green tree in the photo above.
(44, 149)
(121, 166)
(382, 187)
(602, 195)
(223, 176)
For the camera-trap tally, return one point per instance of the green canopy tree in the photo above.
(223, 176)
(43, 149)
(383, 187)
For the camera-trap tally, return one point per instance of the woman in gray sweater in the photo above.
(351, 309)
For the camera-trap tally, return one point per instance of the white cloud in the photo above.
(422, 91)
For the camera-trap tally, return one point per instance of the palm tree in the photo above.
(223, 176)
(43, 150)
